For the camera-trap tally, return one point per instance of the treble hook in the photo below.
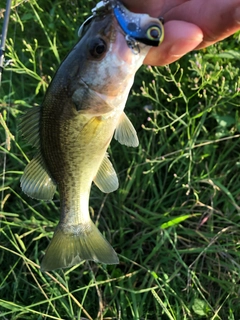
(132, 44)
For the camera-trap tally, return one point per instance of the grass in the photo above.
(174, 220)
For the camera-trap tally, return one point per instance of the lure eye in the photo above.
(97, 48)
(154, 33)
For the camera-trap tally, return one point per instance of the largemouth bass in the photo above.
(72, 129)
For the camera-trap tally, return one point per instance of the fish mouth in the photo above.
(120, 46)
(112, 70)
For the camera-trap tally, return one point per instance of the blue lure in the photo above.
(136, 26)
(133, 25)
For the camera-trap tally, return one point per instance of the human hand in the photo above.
(188, 25)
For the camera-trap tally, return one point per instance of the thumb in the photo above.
(180, 38)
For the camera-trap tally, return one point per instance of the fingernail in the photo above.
(183, 46)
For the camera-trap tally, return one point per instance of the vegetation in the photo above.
(174, 220)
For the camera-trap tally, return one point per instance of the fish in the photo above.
(81, 111)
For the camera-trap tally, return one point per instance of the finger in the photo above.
(154, 8)
(232, 25)
(218, 19)
(180, 37)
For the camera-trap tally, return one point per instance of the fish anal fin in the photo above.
(36, 182)
(72, 244)
(125, 132)
(106, 179)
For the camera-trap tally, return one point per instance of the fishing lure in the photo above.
(133, 24)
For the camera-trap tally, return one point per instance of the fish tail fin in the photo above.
(71, 245)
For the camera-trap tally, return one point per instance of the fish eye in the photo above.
(97, 48)
(154, 33)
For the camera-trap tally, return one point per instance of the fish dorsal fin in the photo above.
(125, 132)
(36, 182)
(29, 126)
(106, 179)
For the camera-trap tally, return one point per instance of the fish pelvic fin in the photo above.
(72, 244)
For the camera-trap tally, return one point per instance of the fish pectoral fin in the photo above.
(29, 126)
(125, 132)
(72, 244)
(36, 182)
(106, 179)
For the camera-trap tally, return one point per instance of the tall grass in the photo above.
(174, 220)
